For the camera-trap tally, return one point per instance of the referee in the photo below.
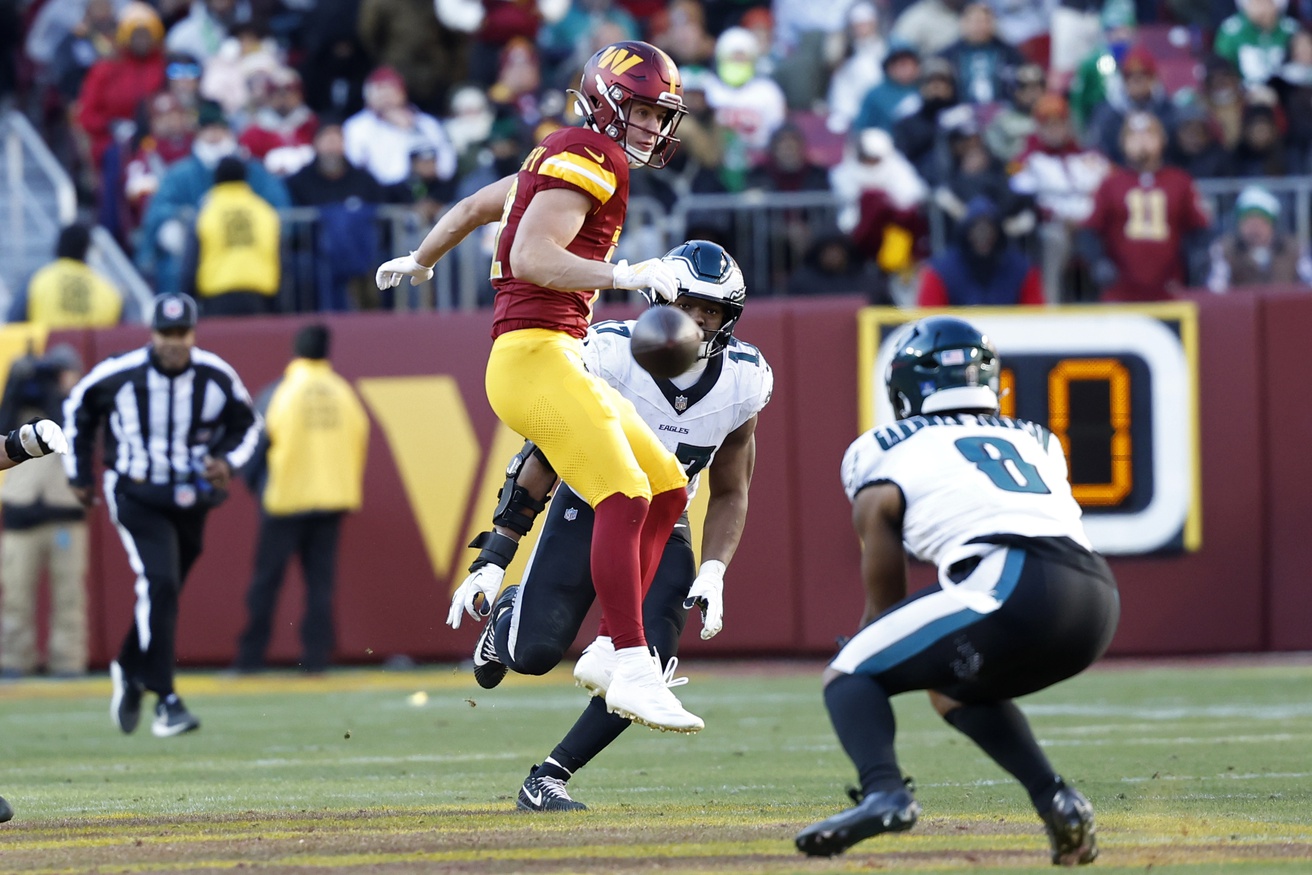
(177, 422)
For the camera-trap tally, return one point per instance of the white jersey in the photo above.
(691, 422)
(964, 476)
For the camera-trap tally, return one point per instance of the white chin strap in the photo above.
(637, 157)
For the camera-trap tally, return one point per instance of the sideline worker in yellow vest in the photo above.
(68, 293)
(233, 262)
(311, 474)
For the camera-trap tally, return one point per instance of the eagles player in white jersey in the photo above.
(707, 417)
(1022, 601)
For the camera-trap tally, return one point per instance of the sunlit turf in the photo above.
(1198, 769)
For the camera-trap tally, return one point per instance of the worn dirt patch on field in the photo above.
(487, 840)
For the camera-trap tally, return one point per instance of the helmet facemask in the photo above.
(606, 108)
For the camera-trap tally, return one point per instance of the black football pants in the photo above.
(162, 545)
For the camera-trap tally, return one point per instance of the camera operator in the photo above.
(177, 422)
(45, 529)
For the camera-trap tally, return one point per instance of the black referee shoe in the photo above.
(172, 718)
(125, 703)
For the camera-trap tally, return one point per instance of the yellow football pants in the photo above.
(591, 434)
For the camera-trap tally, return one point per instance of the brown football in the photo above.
(665, 341)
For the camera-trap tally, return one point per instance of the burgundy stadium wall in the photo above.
(794, 585)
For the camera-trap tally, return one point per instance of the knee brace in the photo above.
(515, 500)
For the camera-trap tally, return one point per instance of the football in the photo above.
(665, 341)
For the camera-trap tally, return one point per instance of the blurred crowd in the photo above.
(1050, 145)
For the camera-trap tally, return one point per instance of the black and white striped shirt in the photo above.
(158, 425)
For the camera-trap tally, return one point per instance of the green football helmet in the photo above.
(941, 363)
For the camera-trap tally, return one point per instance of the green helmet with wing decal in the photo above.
(942, 363)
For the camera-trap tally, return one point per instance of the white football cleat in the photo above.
(638, 692)
(596, 666)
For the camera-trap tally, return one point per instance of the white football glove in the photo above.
(390, 272)
(707, 592)
(651, 274)
(486, 582)
(41, 438)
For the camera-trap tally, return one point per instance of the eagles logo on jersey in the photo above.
(693, 420)
(728, 385)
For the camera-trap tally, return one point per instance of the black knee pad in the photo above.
(536, 659)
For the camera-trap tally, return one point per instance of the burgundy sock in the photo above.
(617, 569)
(664, 512)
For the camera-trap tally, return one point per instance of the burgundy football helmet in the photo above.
(620, 75)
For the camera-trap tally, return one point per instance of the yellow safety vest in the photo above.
(239, 234)
(318, 437)
(68, 294)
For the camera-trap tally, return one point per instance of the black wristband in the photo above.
(14, 447)
(494, 549)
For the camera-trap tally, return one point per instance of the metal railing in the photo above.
(460, 280)
(1293, 192)
(37, 199)
(768, 232)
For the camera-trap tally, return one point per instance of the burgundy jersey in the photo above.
(1142, 218)
(582, 160)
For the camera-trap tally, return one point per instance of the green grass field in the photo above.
(1201, 768)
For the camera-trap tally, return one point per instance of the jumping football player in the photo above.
(1022, 600)
(560, 221)
(707, 418)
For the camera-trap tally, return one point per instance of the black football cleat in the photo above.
(543, 793)
(885, 811)
(1071, 829)
(6, 810)
(489, 670)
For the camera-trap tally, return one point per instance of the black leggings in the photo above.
(556, 591)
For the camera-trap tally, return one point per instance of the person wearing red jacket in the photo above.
(281, 134)
(117, 85)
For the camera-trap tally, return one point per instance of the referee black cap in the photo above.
(173, 311)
